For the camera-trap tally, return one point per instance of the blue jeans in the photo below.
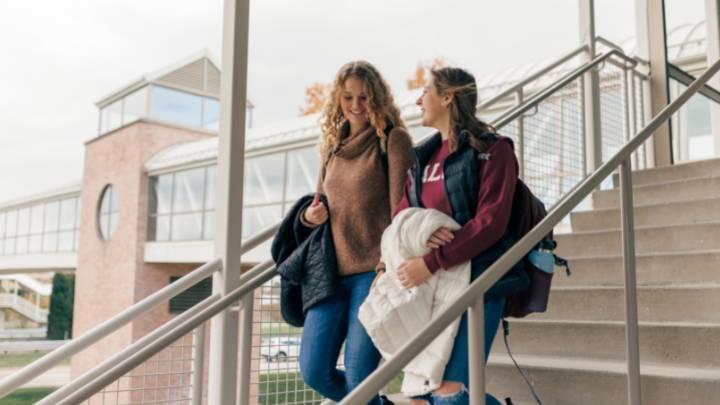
(327, 325)
(457, 369)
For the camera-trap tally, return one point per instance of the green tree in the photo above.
(60, 317)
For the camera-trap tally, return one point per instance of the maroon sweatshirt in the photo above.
(498, 177)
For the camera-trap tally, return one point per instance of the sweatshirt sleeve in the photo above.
(498, 177)
(399, 159)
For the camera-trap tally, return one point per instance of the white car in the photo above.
(280, 348)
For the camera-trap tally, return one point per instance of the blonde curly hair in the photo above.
(382, 108)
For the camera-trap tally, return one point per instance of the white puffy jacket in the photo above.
(392, 314)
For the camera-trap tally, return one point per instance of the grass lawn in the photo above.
(26, 396)
(10, 360)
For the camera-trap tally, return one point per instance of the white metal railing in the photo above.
(104, 329)
(473, 296)
(24, 307)
(118, 365)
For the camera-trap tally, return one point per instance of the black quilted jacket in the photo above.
(305, 259)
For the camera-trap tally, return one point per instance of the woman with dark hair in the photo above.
(469, 172)
(365, 153)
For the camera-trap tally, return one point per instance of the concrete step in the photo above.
(670, 343)
(672, 238)
(685, 170)
(700, 188)
(693, 267)
(677, 303)
(560, 381)
(675, 213)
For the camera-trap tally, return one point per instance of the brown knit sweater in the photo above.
(362, 197)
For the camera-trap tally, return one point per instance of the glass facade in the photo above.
(44, 227)
(182, 205)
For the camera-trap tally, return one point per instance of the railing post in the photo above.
(521, 136)
(476, 350)
(245, 347)
(591, 90)
(198, 365)
(631, 315)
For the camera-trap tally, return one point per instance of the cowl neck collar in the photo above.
(351, 146)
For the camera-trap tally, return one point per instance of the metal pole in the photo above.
(631, 316)
(521, 135)
(246, 335)
(476, 348)
(198, 364)
(591, 93)
(231, 159)
(634, 116)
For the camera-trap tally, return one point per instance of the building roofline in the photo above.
(69, 189)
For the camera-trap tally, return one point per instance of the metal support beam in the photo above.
(651, 45)
(198, 365)
(246, 323)
(228, 235)
(591, 89)
(712, 25)
(476, 349)
(631, 314)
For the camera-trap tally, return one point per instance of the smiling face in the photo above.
(433, 107)
(354, 104)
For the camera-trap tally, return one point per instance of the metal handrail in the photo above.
(511, 115)
(172, 335)
(519, 85)
(43, 364)
(686, 78)
(476, 290)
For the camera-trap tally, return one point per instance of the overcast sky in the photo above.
(60, 57)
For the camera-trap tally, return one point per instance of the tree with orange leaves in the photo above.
(422, 70)
(315, 96)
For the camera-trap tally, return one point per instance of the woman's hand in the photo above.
(316, 213)
(439, 238)
(413, 273)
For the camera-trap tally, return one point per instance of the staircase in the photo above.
(575, 352)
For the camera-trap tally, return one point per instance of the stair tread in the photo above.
(603, 366)
(584, 322)
(704, 286)
(637, 228)
(646, 255)
(667, 182)
(651, 205)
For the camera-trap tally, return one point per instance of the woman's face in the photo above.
(354, 102)
(433, 107)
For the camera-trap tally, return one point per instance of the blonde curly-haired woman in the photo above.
(365, 153)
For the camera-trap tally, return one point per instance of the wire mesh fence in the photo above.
(165, 378)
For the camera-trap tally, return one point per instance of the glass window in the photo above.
(176, 106)
(77, 214)
(35, 244)
(303, 170)
(10, 246)
(36, 218)
(49, 242)
(11, 224)
(67, 213)
(188, 190)
(210, 187)
(135, 105)
(65, 241)
(209, 224)
(160, 228)
(255, 219)
(211, 113)
(2, 226)
(52, 216)
(23, 221)
(108, 213)
(161, 193)
(186, 226)
(111, 116)
(264, 177)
